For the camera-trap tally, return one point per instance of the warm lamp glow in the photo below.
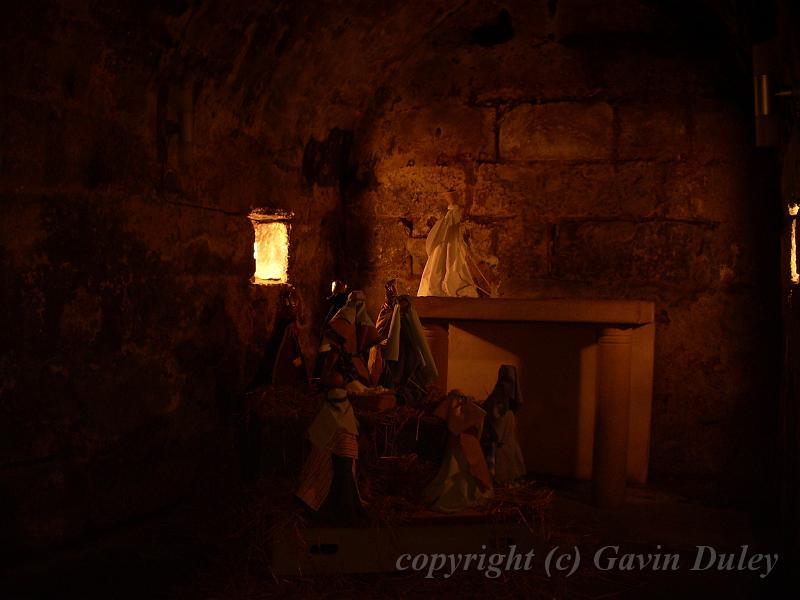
(271, 251)
(793, 210)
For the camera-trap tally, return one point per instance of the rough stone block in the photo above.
(545, 72)
(210, 176)
(514, 250)
(554, 190)
(415, 192)
(192, 248)
(648, 73)
(668, 254)
(419, 255)
(437, 134)
(503, 191)
(653, 131)
(714, 192)
(446, 68)
(558, 131)
(520, 265)
(594, 17)
(722, 132)
(483, 240)
(389, 256)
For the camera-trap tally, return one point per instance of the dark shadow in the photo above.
(556, 364)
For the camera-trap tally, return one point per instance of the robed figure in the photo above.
(500, 440)
(450, 269)
(463, 479)
(328, 483)
(408, 365)
(283, 362)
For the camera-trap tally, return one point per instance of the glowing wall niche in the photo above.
(271, 248)
(793, 274)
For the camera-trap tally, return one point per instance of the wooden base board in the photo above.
(329, 550)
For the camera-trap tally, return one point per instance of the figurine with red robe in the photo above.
(283, 362)
(328, 482)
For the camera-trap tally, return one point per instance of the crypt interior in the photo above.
(168, 169)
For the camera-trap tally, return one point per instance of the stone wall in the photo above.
(130, 326)
(597, 153)
(601, 154)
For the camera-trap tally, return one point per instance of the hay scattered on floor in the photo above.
(526, 502)
(391, 479)
(392, 490)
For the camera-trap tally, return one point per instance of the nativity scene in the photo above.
(304, 299)
(376, 378)
(377, 382)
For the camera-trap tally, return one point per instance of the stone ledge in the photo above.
(619, 312)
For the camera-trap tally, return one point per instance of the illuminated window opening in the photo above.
(271, 247)
(795, 277)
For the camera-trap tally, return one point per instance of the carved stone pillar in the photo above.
(610, 457)
(436, 334)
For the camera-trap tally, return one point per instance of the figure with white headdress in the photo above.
(451, 270)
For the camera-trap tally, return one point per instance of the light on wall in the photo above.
(271, 246)
(793, 274)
